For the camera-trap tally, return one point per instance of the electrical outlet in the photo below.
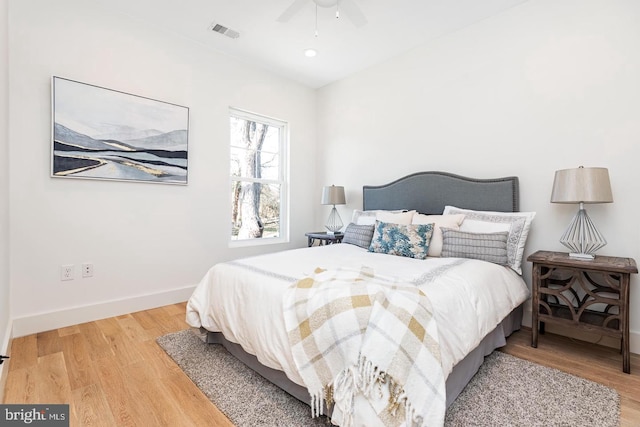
(87, 269)
(67, 272)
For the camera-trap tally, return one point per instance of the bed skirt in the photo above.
(456, 382)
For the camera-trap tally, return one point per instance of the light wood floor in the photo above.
(593, 362)
(113, 373)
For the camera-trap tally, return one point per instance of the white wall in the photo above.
(149, 243)
(5, 313)
(544, 86)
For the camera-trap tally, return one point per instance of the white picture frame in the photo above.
(105, 134)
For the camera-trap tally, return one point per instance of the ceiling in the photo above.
(391, 27)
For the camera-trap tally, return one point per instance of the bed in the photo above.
(239, 303)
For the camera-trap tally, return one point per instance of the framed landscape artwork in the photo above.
(100, 133)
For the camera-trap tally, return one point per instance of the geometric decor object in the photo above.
(582, 237)
(582, 185)
(333, 195)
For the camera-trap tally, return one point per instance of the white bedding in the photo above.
(243, 299)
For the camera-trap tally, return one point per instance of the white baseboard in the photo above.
(634, 337)
(72, 316)
(4, 368)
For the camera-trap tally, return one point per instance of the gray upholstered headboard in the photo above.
(430, 192)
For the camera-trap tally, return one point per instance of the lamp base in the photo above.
(334, 223)
(582, 237)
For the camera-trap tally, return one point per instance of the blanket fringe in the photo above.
(345, 387)
(368, 379)
(317, 404)
(398, 398)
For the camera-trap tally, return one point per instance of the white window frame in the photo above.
(283, 178)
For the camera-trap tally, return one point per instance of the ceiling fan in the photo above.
(348, 7)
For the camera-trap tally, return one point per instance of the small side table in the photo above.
(323, 238)
(591, 295)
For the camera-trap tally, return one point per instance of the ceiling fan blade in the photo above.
(353, 12)
(294, 8)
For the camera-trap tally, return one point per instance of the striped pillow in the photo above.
(359, 235)
(490, 247)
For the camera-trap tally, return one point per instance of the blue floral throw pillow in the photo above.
(403, 240)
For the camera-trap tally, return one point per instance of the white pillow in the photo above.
(369, 217)
(363, 217)
(402, 218)
(516, 223)
(447, 221)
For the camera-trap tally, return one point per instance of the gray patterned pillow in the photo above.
(359, 235)
(516, 223)
(403, 240)
(490, 247)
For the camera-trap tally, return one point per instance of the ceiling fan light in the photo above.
(310, 52)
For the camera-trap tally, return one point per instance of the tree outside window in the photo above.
(258, 186)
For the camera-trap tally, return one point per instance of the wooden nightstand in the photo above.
(323, 238)
(588, 295)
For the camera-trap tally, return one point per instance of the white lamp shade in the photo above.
(582, 185)
(333, 195)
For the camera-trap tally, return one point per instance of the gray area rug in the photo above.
(506, 391)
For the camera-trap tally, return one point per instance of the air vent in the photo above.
(221, 29)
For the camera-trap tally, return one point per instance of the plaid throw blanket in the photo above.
(353, 333)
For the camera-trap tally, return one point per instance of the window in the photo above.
(259, 193)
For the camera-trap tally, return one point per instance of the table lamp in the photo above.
(333, 195)
(582, 185)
